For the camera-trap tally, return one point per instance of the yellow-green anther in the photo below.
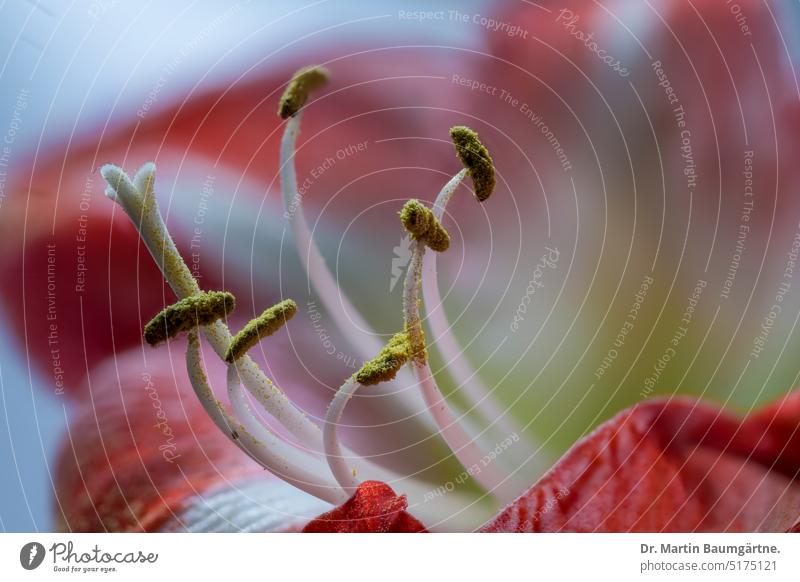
(303, 82)
(187, 314)
(262, 326)
(475, 157)
(416, 218)
(387, 363)
(420, 222)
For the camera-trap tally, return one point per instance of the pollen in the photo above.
(187, 314)
(420, 222)
(270, 321)
(387, 363)
(303, 82)
(475, 157)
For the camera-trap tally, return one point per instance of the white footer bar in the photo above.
(353, 558)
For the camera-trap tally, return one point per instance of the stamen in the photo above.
(264, 325)
(142, 208)
(274, 454)
(258, 442)
(346, 470)
(346, 317)
(384, 366)
(355, 329)
(476, 393)
(187, 314)
(345, 474)
(299, 463)
(411, 303)
(463, 446)
(422, 225)
(479, 397)
(476, 159)
(305, 81)
(199, 380)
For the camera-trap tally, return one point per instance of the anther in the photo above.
(475, 157)
(303, 82)
(420, 222)
(187, 314)
(384, 366)
(270, 321)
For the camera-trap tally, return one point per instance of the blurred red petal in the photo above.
(675, 465)
(139, 448)
(72, 303)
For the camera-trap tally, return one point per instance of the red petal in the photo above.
(73, 303)
(140, 447)
(373, 508)
(675, 465)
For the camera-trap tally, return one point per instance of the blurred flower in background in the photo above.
(643, 239)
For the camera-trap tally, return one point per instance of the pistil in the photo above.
(138, 200)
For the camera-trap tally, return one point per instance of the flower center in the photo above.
(316, 460)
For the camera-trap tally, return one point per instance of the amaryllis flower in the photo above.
(495, 330)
